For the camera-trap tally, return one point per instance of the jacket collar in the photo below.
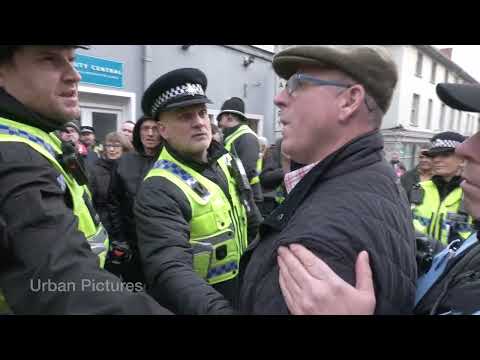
(229, 131)
(214, 152)
(359, 153)
(13, 109)
(444, 188)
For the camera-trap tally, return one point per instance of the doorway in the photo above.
(102, 120)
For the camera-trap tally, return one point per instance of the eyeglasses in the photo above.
(296, 80)
(110, 146)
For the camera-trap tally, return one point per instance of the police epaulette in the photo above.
(182, 175)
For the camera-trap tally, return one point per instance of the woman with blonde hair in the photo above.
(115, 145)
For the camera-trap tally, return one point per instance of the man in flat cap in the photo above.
(191, 220)
(438, 209)
(88, 139)
(312, 288)
(343, 196)
(242, 141)
(50, 235)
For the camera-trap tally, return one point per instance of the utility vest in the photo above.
(229, 140)
(218, 227)
(436, 219)
(48, 145)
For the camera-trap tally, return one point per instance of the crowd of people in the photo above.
(207, 218)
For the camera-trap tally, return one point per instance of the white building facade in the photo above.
(416, 113)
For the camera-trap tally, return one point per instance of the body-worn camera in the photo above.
(416, 195)
(424, 253)
(70, 161)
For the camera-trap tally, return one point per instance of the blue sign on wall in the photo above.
(99, 71)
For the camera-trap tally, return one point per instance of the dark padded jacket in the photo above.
(349, 202)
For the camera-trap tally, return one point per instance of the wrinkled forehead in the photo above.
(128, 126)
(191, 108)
(69, 130)
(148, 124)
(176, 113)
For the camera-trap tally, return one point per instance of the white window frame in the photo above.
(419, 64)
(258, 117)
(429, 114)
(451, 122)
(128, 110)
(433, 73)
(414, 114)
(443, 114)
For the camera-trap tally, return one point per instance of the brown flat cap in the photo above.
(370, 65)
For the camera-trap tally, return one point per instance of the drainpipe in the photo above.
(147, 59)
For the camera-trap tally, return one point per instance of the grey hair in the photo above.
(375, 114)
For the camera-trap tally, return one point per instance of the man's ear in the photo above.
(162, 129)
(350, 102)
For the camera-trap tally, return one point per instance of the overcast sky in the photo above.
(467, 57)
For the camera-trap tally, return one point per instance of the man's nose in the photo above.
(198, 121)
(280, 99)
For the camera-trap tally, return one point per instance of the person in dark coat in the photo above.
(116, 145)
(271, 178)
(126, 178)
(343, 196)
(312, 288)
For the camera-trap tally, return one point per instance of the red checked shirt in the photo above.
(294, 177)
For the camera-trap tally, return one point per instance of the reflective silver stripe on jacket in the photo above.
(97, 241)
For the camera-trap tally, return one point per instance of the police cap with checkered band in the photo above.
(176, 89)
(444, 143)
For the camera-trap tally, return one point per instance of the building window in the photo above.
(446, 76)
(415, 110)
(418, 69)
(429, 114)
(433, 75)
(452, 120)
(441, 125)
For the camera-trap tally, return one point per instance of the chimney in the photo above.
(447, 52)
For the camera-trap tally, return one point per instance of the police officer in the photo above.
(52, 243)
(242, 141)
(438, 203)
(191, 222)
